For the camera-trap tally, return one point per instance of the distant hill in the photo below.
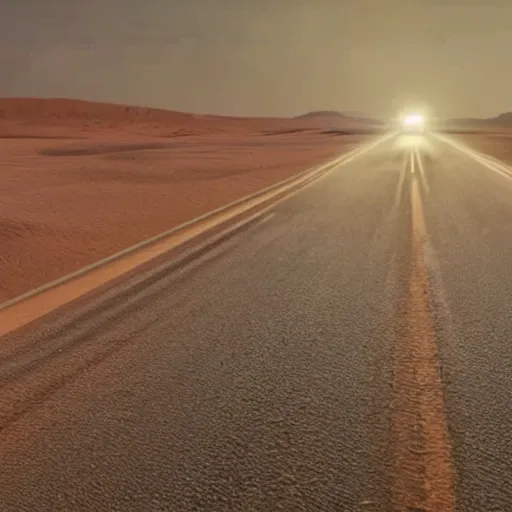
(503, 120)
(21, 115)
(61, 109)
(62, 112)
(321, 113)
(335, 119)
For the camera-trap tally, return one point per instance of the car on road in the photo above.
(413, 123)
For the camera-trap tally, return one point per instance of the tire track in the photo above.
(401, 180)
(56, 356)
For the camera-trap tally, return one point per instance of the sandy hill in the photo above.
(54, 113)
(35, 117)
(34, 109)
(503, 120)
(333, 114)
(335, 119)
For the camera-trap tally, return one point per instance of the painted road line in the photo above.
(421, 168)
(401, 180)
(423, 469)
(487, 161)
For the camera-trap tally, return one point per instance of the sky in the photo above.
(450, 58)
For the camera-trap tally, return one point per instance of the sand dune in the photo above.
(42, 117)
(72, 193)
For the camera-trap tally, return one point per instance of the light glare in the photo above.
(413, 120)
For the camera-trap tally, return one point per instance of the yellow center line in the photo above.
(423, 469)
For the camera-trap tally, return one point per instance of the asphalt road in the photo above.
(349, 350)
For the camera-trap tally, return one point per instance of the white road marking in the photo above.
(400, 186)
(423, 174)
(490, 163)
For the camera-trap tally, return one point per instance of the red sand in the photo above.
(81, 181)
(496, 145)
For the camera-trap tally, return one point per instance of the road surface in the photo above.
(348, 350)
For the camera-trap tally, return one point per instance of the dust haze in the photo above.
(262, 58)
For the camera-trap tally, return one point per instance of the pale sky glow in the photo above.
(262, 57)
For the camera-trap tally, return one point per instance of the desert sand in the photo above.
(498, 145)
(80, 181)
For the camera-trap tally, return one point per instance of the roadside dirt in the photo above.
(498, 145)
(73, 192)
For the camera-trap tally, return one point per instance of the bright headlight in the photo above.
(413, 120)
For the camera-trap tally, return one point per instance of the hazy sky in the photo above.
(263, 57)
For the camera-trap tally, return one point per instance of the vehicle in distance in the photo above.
(413, 123)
